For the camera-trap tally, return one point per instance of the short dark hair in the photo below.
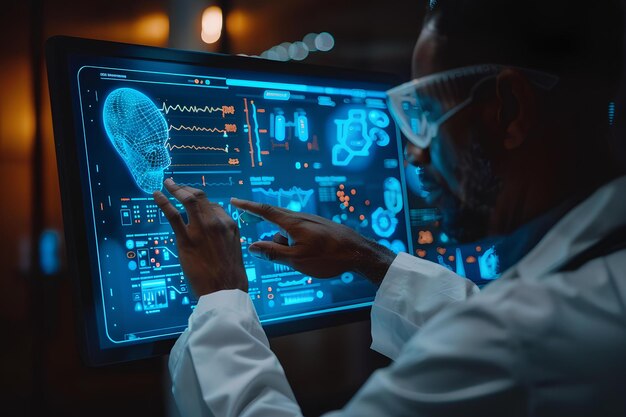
(580, 40)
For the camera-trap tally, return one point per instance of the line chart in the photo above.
(228, 128)
(268, 234)
(204, 183)
(171, 147)
(304, 280)
(231, 162)
(294, 198)
(166, 108)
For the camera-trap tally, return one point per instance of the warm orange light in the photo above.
(153, 28)
(237, 23)
(211, 24)
(17, 113)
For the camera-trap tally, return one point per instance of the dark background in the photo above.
(40, 366)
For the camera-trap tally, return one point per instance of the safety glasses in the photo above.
(422, 105)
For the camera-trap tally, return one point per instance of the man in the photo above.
(511, 98)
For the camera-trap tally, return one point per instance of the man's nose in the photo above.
(416, 156)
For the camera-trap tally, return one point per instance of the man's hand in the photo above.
(209, 246)
(316, 246)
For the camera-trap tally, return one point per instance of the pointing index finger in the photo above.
(189, 197)
(268, 212)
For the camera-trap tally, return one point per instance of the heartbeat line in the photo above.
(210, 184)
(228, 128)
(197, 148)
(165, 108)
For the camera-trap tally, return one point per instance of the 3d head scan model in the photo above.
(138, 131)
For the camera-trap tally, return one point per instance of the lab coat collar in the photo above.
(583, 226)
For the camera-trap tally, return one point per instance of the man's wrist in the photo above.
(373, 260)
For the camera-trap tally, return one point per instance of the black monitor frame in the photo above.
(58, 51)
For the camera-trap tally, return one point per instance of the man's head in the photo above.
(138, 131)
(517, 150)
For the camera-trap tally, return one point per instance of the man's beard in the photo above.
(467, 219)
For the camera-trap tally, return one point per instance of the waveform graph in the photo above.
(203, 183)
(295, 283)
(186, 129)
(213, 183)
(197, 148)
(197, 110)
(293, 198)
(200, 119)
(202, 151)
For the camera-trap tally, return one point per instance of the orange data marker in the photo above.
(425, 237)
(421, 253)
(451, 258)
(470, 260)
(353, 191)
(351, 209)
(441, 251)
(341, 186)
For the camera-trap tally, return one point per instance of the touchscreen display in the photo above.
(309, 144)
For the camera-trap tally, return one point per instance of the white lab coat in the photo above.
(534, 343)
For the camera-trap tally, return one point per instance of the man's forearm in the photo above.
(372, 260)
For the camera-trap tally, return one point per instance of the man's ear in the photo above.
(516, 107)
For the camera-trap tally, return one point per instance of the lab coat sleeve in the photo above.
(466, 361)
(222, 364)
(412, 291)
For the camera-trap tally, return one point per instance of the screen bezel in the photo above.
(59, 50)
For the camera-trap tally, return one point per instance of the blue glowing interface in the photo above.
(309, 144)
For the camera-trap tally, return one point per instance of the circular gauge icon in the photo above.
(378, 118)
(347, 277)
(379, 136)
